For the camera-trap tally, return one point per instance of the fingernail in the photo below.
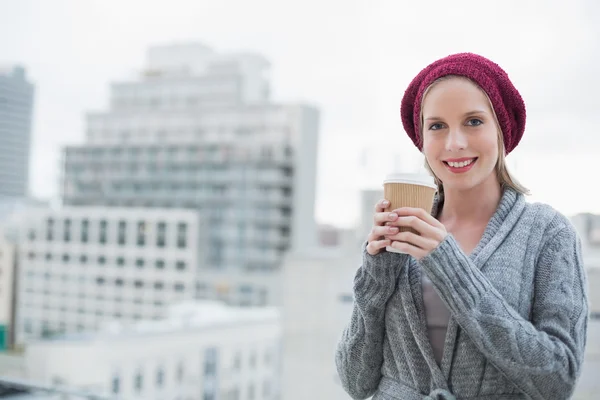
(393, 215)
(393, 229)
(385, 202)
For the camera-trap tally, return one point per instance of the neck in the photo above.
(474, 205)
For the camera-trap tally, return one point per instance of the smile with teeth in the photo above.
(461, 164)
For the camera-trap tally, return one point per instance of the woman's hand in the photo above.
(432, 232)
(377, 240)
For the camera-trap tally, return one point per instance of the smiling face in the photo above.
(460, 134)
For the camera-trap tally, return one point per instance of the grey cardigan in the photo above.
(518, 307)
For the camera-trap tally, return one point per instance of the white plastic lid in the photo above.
(415, 179)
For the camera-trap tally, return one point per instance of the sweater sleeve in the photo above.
(542, 357)
(359, 354)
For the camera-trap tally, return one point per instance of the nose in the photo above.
(456, 140)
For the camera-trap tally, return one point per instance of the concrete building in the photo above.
(16, 107)
(197, 131)
(588, 226)
(8, 281)
(82, 266)
(201, 351)
(317, 305)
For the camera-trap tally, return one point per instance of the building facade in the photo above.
(202, 351)
(81, 267)
(16, 108)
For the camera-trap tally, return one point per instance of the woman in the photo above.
(490, 301)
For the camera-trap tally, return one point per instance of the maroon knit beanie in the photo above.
(506, 100)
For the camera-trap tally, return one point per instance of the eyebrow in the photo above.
(474, 112)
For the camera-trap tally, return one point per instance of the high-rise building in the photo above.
(198, 131)
(16, 107)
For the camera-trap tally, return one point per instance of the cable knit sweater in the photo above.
(518, 321)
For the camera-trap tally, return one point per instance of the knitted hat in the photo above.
(506, 100)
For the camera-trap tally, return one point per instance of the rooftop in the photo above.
(190, 316)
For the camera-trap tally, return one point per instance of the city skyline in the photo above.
(354, 63)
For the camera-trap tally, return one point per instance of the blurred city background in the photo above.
(185, 185)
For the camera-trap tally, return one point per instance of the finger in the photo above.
(414, 239)
(409, 249)
(381, 205)
(420, 213)
(417, 224)
(382, 217)
(381, 231)
(375, 246)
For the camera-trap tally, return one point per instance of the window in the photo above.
(31, 235)
(266, 389)
(139, 284)
(141, 233)
(120, 261)
(66, 258)
(180, 265)
(100, 281)
(139, 382)
(180, 372)
(160, 264)
(160, 377)
(139, 263)
(122, 233)
(119, 282)
(210, 362)
(101, 260)
(181, 235)
(85, 224)
(49, 229)
(251, 392)
(67, 230)
(102, 235)
(82, 259)
(179, 287)
(237, 361)
(161, 234)
(116, 384)
(159, 285)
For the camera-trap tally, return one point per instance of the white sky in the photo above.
(353, 59)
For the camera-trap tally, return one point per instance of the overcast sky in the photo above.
(353, 59)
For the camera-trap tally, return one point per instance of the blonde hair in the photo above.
(504, 176)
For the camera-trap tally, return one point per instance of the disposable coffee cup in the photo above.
(409, 190)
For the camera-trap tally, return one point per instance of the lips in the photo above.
(460, 165)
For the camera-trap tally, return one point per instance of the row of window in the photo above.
(103, 226)
(171, 152)
(210, 368)
(119, 282)
(102, 260)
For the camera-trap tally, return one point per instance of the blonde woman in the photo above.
(490, 300)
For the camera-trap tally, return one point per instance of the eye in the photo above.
(474, 122)
(435, 127)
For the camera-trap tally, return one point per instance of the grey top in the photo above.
(436, 317)
(518, 322)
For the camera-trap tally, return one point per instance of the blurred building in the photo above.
(16, 107)
(201, 351)
(588, 227)
(8, 281)
(82, 266)
(317, 304)
(197, 131)
(368, 199)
